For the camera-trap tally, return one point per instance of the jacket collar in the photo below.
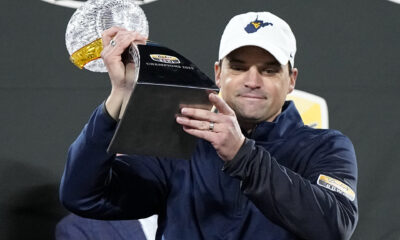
(287, 121)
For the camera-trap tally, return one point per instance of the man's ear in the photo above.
(292, 80)
(217, 74)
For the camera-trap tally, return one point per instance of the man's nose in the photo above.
(253, 79)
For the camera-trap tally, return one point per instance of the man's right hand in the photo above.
(111, 55)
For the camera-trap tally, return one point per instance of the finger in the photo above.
(196, 124)
(220, 104)
(142, 41)
(206, 135)
(201, 114)
(109, 34)
(119, 34)
(123, 39)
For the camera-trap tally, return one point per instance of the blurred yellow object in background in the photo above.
(312, 108)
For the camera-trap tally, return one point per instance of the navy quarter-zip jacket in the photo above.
(288, 181)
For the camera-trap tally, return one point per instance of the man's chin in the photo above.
(250, 113)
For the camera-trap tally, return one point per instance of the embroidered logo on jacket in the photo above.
(336, 186)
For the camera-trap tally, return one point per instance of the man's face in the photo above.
(254, 84)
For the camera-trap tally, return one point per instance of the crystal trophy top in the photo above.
(83, 34)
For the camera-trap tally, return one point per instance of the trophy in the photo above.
(165, 81)
(83, 34)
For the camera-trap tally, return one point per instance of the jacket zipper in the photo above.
(239, 201)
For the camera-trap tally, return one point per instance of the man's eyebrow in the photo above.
(273, 63)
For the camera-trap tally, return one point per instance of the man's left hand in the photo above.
(221, 129)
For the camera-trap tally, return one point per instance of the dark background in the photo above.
(347, 53)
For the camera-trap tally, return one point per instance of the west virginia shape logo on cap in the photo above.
(256, 25)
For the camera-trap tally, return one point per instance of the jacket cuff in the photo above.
(235, 167)
(106, 113)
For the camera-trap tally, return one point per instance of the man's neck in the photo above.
(247, 128)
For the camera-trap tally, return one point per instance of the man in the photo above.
(257, 171)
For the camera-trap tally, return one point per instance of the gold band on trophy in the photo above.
(87, 53)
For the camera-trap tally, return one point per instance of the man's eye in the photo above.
(237, 68)
(271, 70)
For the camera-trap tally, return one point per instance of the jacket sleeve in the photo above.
(71, 227)
(100, 185)
(303, 204)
